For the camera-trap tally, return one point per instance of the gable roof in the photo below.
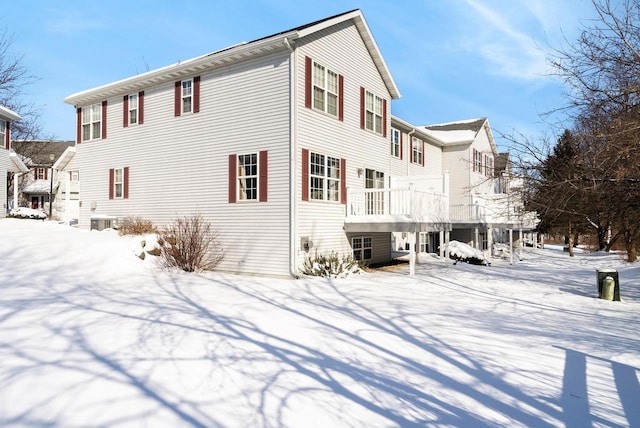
(237, 53)
(38, 152)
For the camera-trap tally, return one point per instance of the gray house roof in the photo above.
(38, 153)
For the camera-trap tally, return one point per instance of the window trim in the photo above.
(374, 108)
(396, 143)
(362, 248)
(330, 185)
(91, 117)
(3, 133)
(184, 98)
(118, 182)
(417, 149)
(131, 109)
(124, 182)
(325, 89)
(240, 178)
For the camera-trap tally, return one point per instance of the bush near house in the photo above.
(27, 213)
(136, 226)
(191, 244)
(330, 265)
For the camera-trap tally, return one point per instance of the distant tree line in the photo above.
(588, 180)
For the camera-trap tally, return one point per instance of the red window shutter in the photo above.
(401, 146)
(111, 181)
(46, 173)
(341, 97)
(125, 185)
(78, 125)
(343, 181)
(362, 107)
(177, 109)
(422, 161)
(263, 166)
(196, 94)
(140, 107)
(104, 119)
(305, 174)
(384, 118)
(308, 82)
(125, 111)
(232, 178)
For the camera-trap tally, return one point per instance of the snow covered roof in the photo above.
(5, 113)
(236, 53)
(38, 152)
(459, 132)
(39, 186)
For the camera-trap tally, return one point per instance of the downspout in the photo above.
(293, 146)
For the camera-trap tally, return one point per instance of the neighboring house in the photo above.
(282, 143)
(482, 206)
(10, 163)
(44, 182)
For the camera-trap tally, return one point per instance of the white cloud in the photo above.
(506, 40)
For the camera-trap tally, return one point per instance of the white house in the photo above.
(286, 144)
(10, 163)
(262, 138)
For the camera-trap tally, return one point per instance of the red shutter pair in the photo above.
(363, 111)
(79, 122)
(308, 88)
(125, 184)
(263, 170)
(177, 96)
(125, 113)
(306, 183)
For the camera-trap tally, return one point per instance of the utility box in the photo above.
(601, 274)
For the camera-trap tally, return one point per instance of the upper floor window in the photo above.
(187, 96)
(74, 176)
(488, 165)
(133, 109)
(41, 173)
(325, 89)
(477, 161)
(373, 113)
(325, 177)
(248, 177)
(3, 131)
(395, 143)
(91, 122)
(417, 151)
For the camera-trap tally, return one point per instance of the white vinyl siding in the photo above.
(177, 167)
(342, 48)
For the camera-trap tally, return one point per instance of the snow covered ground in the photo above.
(92, 336)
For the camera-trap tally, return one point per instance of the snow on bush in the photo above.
(460, 251)
(24, 212)
(330, 266)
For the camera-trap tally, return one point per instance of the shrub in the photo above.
(330, 266)
(190, 244)
(136, 226)
(23, 212)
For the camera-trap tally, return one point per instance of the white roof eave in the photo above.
(21, 167)
(6, 113)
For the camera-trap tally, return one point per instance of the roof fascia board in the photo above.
(180, 69)
(8, 114)
(18, 162)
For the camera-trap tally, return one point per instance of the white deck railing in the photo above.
(398, 202)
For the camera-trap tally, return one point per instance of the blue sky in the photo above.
(451, 59)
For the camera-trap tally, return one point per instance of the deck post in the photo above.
(412, 252)
(442, 244)
(510, 246)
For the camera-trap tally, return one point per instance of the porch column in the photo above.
(441, 240)
(67, 197)
(447, 238)
(476, 238)
(16, 178)
(412, 253)
(521, 238)
(510, 246)
(490, 241)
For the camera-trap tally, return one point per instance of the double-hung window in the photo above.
(416, 151)
(361, 248)
(324, 177)
(3, 132)
(41, 173)
(91, 122)
(187, 95)
(395, 143)
(248, 177)
(373, 112)
(118, 183)
(477, 160)
(133, 109)
(325, 89)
